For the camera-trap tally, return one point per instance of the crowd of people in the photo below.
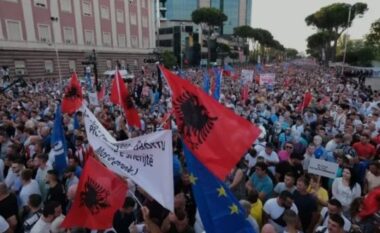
(341, 125)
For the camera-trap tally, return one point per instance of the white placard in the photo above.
(267, 78)
(323, 168)
(93, 99)
(147, 160)
(246, 76)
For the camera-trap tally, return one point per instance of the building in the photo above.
(177, 33)
(51, 38)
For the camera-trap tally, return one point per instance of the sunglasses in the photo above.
(288, 147)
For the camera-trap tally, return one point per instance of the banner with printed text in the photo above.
(147, 160)
(246, 76)
(267, 79)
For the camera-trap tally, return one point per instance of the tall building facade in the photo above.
(47, 38)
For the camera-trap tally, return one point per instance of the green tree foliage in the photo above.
(373, 38)
(291, 53)
(209, 17)
(359, 53)
(333, 20)
(169, 59)
(244, 31)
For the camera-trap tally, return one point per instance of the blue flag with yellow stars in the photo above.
(220, 211)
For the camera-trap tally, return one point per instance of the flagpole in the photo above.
(136, 199)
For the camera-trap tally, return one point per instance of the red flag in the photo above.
(101, 93)
(244, 95)
(306, 102)
(73, 98)
(100, 193)
(120, 96)
(371, 203)
(213, 133)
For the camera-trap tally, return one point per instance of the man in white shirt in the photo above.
(41, 161)
(333, 143)
(29, 187)
(274, 209)
(333, 207)
(335, 225)
(44, 223)
(270, 157)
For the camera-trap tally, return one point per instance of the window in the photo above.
(145, 42)
(65, 5)
(87, 8)
(44, 33)
(122, 64)
(49, 68)
(72, 65)
(89, 37)
(133, 19)
(104, 12)
(40, 3)
(20, 68)
(120, 16)
(165, 43)
(68, 35)
(109, 64)
(145, 22)
(14, 30)
(121, 40)
(134, 42)
(107, 39)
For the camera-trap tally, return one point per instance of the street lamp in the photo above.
(181, 45)
(55, 19)
(345, 38)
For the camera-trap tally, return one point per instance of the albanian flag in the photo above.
(213, 133)
(100, 193)
(73, 97)
(120, 96)
(306, 102)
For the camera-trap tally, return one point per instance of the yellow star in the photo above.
(193, 179)
(221, 192)
(234, 209)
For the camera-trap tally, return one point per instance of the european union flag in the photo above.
(58, 143)
(220, 211)
(218, 82)
(206, 82)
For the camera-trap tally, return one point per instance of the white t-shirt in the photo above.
(331, 145)
(325, 220)
(41, 227)
(27, 190)
(274, 211)
(345, 194)
(4, 226)
(273, 157)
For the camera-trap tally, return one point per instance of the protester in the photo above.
(340, 125)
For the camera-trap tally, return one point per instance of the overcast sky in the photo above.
(285, 19)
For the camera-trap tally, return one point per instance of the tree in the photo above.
(169, 59)
(333, 19)
(359, 53)
(244, 31)
(291, 53)
(374, 36)
(317, 42)
(208, 17)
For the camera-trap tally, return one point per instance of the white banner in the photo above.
(267, 78)
(93, 98)
(147, 160)
(246, 76)
(322, 168)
